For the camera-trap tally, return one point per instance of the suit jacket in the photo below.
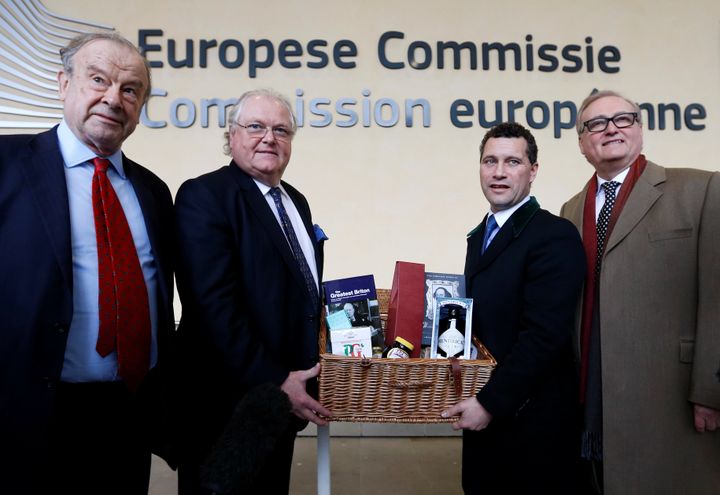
(659, 299)
(247, 315)
(36, 294)
(525, 288)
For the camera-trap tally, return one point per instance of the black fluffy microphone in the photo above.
(259, 419)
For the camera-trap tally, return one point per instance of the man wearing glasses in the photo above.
(649, 327)
(249, 269)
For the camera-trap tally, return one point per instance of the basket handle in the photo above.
(456, 375)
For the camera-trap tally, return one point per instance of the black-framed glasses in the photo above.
(620, 120)
(259, 130)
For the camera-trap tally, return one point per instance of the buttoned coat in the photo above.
(659, 296)
(36, 293)
(247, 317)
(525, 287)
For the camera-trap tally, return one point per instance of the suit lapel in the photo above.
(643, 195)
(509, 231)
(301, 207)
(150, 211)
(497, 246)
(259, 206)
(44, 172)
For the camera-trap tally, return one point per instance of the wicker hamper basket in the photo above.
(397, 390)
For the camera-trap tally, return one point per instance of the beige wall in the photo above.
(384, 194)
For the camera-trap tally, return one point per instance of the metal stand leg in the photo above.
(323, 460)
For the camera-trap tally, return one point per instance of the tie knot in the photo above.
(275, 193)
(101, 164)
(491, 224)
(610, 187)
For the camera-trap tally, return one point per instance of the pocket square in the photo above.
(319, 233)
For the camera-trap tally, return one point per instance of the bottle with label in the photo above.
(401, 348)
(451, 341)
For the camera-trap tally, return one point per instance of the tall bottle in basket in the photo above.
(451, 341)
(452, 328)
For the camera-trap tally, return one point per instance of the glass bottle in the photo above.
(401, 348)
(451, 341)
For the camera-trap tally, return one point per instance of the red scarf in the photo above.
(589, 236)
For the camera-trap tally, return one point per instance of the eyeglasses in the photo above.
(621, 121)
(259, 131)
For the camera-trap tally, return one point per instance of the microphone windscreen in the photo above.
(258, 421)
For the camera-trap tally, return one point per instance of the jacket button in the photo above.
(60, 328)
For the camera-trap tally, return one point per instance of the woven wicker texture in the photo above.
(396, 390)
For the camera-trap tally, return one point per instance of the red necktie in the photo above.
(123, 300)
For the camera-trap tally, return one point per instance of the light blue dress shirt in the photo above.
(82, 362)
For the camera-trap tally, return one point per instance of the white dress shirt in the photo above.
(600, 196)
(298, 225)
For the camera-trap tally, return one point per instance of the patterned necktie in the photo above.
(123, 300)
(295, 246)
(603, 221)
(490, 227)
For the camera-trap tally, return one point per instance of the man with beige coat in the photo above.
(649, 326)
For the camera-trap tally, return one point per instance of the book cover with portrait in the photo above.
(439, 285)
(352, 302)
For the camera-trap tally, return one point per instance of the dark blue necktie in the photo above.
(295, 246)
(490, 227)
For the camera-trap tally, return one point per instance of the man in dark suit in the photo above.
(79, 361)
(524, 270)
(249, 271)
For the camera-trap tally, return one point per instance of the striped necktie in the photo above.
(490, 227)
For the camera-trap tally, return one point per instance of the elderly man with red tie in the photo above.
(86, 290)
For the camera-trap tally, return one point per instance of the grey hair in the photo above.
(602, 94)
(68, 52)
(235, 113)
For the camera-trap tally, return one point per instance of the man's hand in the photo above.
(473, 416)
(304, 406)
(706, 418)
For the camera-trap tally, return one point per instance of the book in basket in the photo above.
(352, 302)
(452, 328)
(439, 285)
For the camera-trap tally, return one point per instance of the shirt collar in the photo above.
(618, 178)
(75, 152)
(502, 216)
(265, 189)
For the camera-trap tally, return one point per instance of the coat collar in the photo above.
(644, 194)
(151, 206)
(509, 232)
(520, 218)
